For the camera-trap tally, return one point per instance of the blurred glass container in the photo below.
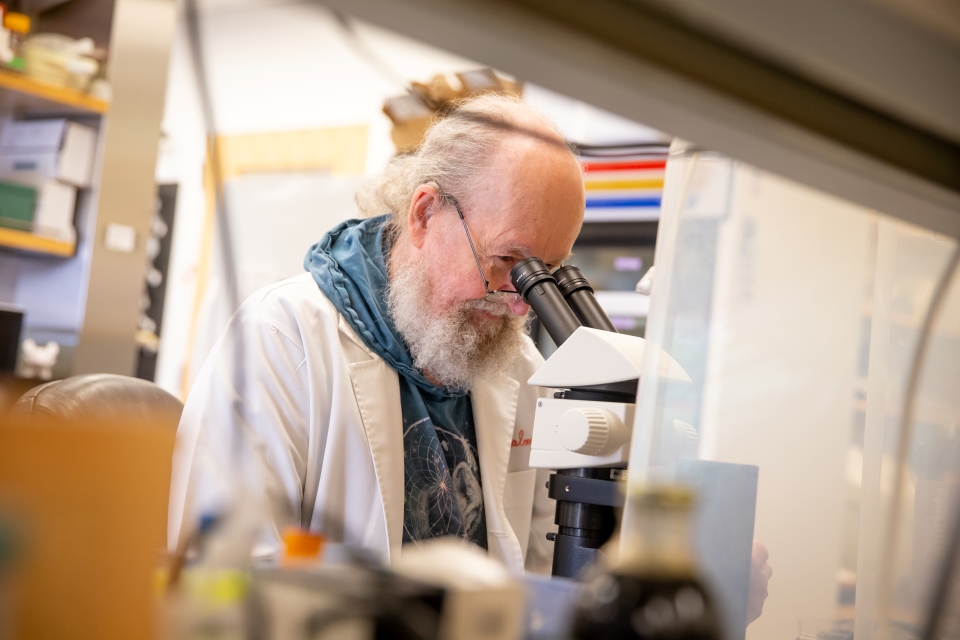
(18, 25)
(60, 60)
(549, 607)
(655, 590)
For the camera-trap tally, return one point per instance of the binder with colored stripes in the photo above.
(623, 183)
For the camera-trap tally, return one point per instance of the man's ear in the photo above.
(423, 204)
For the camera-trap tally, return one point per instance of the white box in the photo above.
(34, 149)
(25, 167)
(53, 217)
(120, 237)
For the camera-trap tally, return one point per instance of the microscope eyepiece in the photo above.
(570, 279)
(528, 273)
(578, 293)
(538, 289)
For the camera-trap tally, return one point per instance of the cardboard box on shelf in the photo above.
(408, 135)
(414, 112)
(437, 93)
(405, 108)
(33, 150)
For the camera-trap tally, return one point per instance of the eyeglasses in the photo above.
(499, 295)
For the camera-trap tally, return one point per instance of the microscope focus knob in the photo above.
(587, 430)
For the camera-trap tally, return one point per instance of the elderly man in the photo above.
(381, 398)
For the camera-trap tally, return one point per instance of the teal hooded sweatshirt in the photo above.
(442, 485)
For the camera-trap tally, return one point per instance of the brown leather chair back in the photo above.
(86, 465)
(99, 398)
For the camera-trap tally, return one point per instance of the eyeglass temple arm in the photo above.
(486, 283)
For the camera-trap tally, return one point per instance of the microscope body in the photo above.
(584, 433)
(584, 430)
(589, 423)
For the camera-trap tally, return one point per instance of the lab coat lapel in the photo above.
(494, 414)
(377, 390)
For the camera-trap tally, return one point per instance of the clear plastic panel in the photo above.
(899, 568)
(797, 316)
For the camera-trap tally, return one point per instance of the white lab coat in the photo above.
(322, 433)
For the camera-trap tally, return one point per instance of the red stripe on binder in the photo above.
(625, 166)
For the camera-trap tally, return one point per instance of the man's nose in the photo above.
(519, 308)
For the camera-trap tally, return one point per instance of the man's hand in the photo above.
(760, 573)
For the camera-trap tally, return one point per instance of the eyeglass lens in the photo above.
(498, 295)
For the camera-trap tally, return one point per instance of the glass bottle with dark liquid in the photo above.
(653, 590)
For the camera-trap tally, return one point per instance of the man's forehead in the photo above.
(525, 236)
(529, 202)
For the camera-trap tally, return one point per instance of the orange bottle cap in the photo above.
(301, 544)
(17, 22)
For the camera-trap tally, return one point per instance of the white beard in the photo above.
(446, 344)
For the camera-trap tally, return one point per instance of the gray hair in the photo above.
(455, 150)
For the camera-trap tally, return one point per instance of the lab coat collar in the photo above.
(377, 390)
(494, 415)
(376, 386)
(347, 331)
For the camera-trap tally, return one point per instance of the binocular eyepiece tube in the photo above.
(579, 295)
(562, 300)
(539, 289)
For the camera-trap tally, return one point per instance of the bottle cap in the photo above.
(301, 545)
(18, 22)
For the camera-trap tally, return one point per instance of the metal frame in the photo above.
(667, 71)
(140, 41)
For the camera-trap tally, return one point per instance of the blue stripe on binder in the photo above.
(622, 202)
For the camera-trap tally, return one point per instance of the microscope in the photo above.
(584, 430)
